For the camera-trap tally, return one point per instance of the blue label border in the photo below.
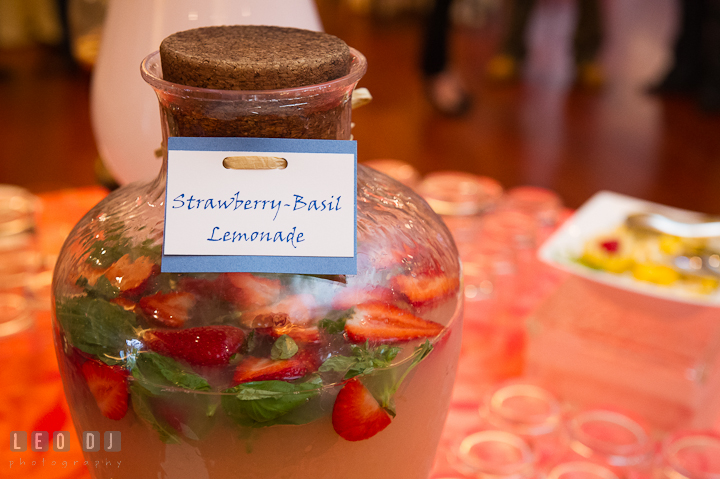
(263, 264)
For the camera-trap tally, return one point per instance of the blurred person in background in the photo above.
(587, 41)
(695, 67)
(444, 89)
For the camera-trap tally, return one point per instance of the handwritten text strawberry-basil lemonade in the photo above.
(235, 203)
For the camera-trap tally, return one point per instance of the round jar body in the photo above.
(220, 375)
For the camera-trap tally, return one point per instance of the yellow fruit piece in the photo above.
(612, 264)
(702, 284)
(655, 273)
(671, 245)
(709, 285)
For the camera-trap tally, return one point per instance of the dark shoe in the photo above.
(503, 68)
(709, 99)
(447, 94)
(590, 75)
(675, 82)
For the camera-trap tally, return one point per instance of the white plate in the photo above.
(599, 215)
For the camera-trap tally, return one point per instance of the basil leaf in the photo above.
(96, 326)
(364, 360)
(158, 370)
(141, 406)
(339, 364)
(262, 403)
(102, 288)
(332, 327)
(283, 348)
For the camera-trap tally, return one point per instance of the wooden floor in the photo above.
(540, 131)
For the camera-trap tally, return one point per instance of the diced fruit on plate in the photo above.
(424, 289)
(109, 387)
(357, 415)
(202, 346)
(610, 253)
(249, 291)
(383, 323)
(168, 309)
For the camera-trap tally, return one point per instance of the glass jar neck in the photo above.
(321, 111)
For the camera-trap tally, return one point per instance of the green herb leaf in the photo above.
(364, 360)
(142, 408)
(333, 326)
(387, 401)
(263, 403)
(338, 364)
(283, 348)
(102, 288)
(96, 326)
(161, 370)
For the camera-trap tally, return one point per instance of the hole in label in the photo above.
(254, 163)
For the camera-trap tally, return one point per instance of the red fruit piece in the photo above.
(299, 334)
(357, 415)
(252, 368)
(610, 246)
(351, 297)
(202, 346)
(109, 387)
(125, 303)
(131, 276)
(384, 323)
(202, 287)
(295, 309)
(423, 289)
(168, 309)
(248, 291)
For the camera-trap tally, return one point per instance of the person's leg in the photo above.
(587, 43)
(434, 55)
(709, 92)
(514, 43)
(686, 68)
(506, 64)
(444, 89)
(589, 31)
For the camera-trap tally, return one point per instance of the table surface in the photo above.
(33, 398)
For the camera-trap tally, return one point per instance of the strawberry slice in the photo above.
(249, 292)
(299, 334)
(202, 346)
(252, 368)
(204, 287)
(131, 276)
(125, 303)
(109, 387)
(168, 309)
(384, 323)
(424, 289)
(296, 309)
(357, 415)
(351, 297)
(275, 325)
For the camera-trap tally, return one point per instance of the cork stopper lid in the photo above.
(252, 57)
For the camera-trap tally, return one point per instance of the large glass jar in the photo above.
(259, 375)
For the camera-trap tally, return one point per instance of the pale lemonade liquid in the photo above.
(405, 449)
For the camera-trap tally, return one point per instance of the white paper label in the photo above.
(297, 219)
